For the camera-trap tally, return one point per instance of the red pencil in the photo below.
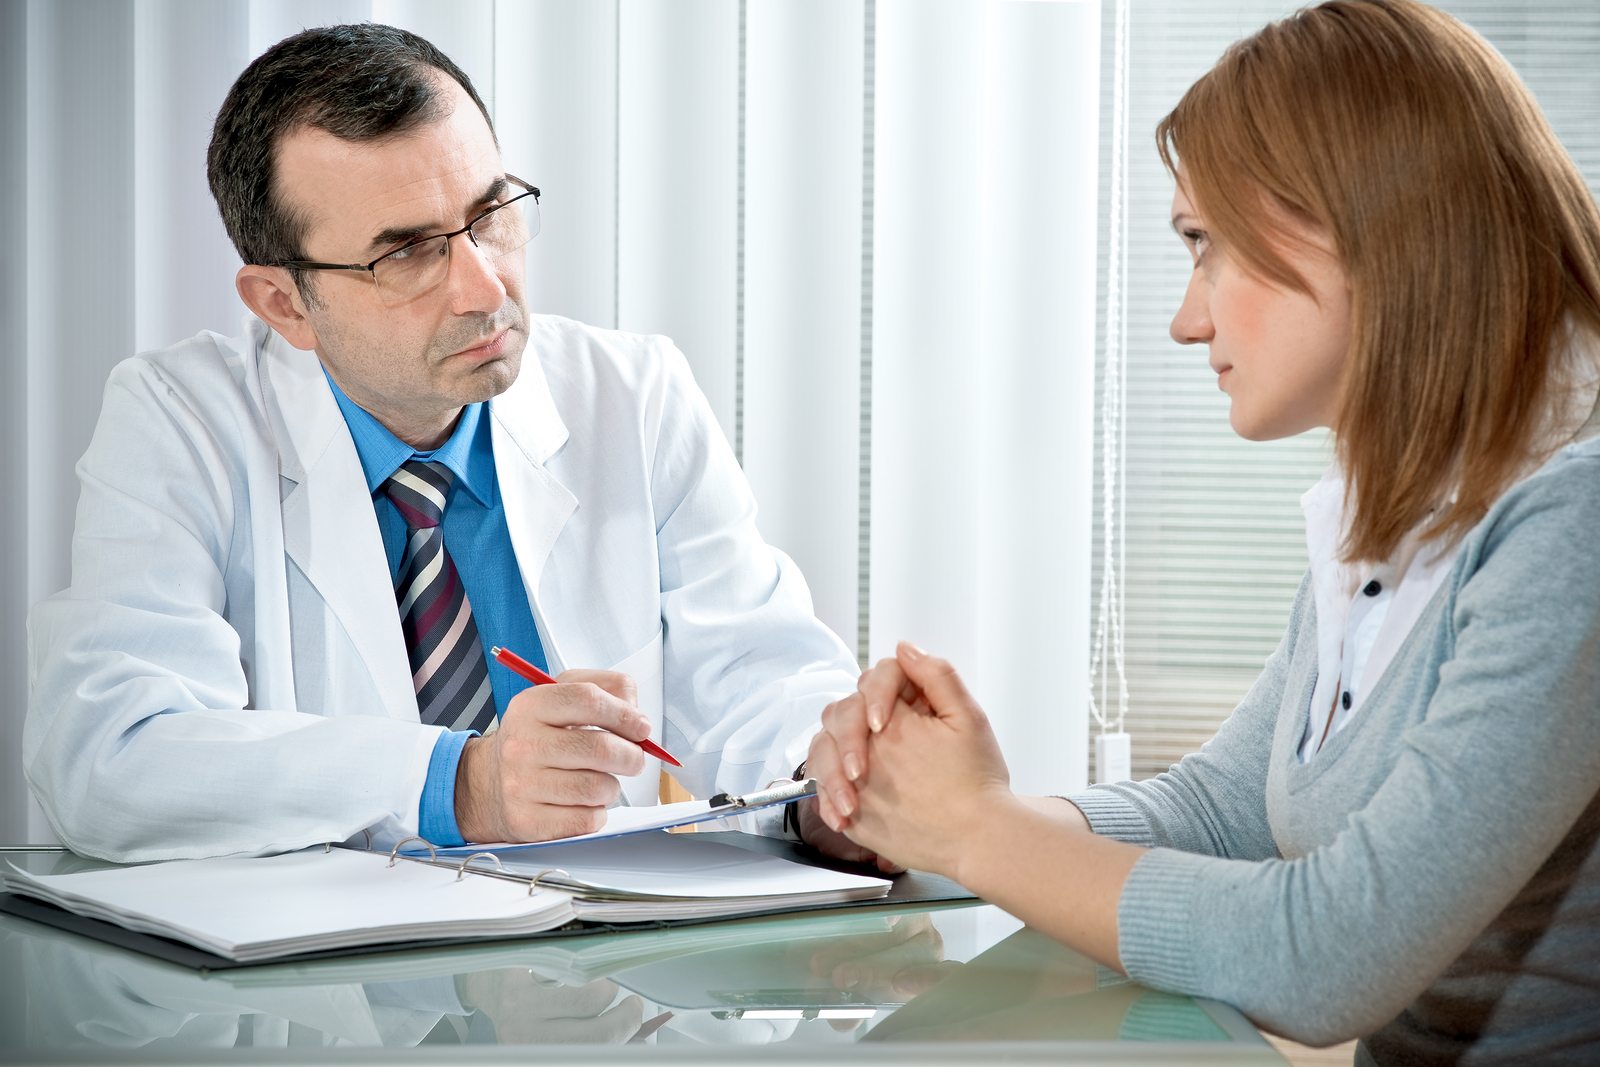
(510, 660)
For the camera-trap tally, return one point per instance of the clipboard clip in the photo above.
(779, 792)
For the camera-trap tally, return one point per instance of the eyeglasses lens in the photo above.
(413, 270)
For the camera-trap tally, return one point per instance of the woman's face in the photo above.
(1278, 353)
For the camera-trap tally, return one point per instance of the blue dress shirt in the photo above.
(479, 542)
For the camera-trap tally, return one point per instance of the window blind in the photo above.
(1212, 536)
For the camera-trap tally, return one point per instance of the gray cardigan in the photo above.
(1431, 879)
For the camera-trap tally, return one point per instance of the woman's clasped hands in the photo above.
(908, 765)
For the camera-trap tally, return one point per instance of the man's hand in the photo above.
(528, 1009)
(830, 842)
(902, 962)
(540, 775)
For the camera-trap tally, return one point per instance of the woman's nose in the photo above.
(1192, 323)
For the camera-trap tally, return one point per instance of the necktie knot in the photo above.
(418, 491)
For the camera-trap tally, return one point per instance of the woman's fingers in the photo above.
(836, 797)
(938, 681)
(879, 687)
(845, 721)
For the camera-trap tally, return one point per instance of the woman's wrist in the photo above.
(1059, 809)
(987, 837)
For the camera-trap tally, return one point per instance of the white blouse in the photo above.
(1366, 610)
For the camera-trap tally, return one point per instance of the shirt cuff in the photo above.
(436, 814)
(1155, 917)
(1110, 814)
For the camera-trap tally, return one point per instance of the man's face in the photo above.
(414, 364)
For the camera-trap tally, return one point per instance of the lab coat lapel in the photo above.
(527, 430)
(330, 530)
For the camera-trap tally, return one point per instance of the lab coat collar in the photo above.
(527, 415)
(330, 530)
(528, 432)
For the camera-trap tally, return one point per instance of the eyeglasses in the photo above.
(418, 266)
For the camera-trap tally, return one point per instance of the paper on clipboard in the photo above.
(621, 821)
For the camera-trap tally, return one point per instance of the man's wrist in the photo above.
(472, 817)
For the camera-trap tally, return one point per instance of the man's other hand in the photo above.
(830, 842)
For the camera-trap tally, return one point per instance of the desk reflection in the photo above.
(68, 991)
(820, 979)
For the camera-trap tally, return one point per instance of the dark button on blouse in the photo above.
(1344, 701)
(1372, 588)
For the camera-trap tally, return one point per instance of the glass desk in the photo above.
(964, 984)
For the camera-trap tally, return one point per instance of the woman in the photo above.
(1396, 835)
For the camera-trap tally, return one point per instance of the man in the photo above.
(294, 548)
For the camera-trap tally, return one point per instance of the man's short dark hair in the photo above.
(360, 82)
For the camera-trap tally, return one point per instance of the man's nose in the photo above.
(474, 278)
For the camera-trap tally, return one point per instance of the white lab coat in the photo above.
(227, 674)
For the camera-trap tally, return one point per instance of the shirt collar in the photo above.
(1328, 526)
(467, 453)
(1324, 508)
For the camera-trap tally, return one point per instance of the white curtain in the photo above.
(871, 226)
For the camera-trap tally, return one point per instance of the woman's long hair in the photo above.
(1469, 239)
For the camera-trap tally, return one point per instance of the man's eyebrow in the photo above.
(392, 236)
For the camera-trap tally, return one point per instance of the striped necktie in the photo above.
(447, 665)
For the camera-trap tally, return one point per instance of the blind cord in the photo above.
(1107, 658)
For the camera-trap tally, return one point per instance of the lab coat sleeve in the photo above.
(747, 666)
(143, 740)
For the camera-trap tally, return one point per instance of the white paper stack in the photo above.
(661, 876)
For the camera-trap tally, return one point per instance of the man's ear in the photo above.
(270, 292)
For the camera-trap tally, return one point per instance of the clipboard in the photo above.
(623, 821)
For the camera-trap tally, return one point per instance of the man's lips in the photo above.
(488, 348)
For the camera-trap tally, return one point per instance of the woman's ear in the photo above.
(270, 292)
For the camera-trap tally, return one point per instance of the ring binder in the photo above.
(461, 868)
(307, 903)
(533, 883)
(433, 853)
(548, 877)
